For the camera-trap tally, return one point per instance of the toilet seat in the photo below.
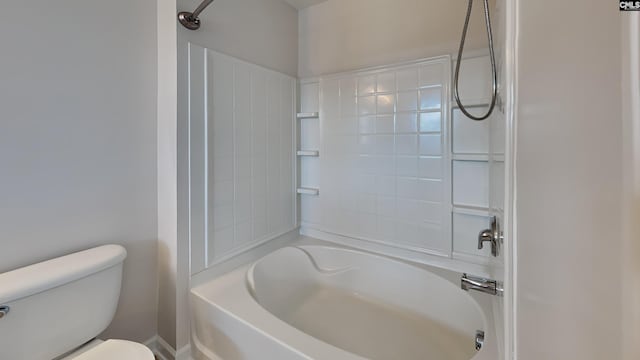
(115, 349)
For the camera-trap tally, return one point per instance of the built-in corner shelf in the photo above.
(478, 157)
(470, 210)
(471, 106)
(311, 153)
(470, 157)
(308, 115)
(308, 191)
(472, 103)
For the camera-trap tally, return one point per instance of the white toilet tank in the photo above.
(58, 305)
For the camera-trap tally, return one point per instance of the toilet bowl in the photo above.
(56, 309)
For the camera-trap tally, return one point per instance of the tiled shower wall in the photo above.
(242, 135)
(383, 174)
(477, 162)
(398, 164)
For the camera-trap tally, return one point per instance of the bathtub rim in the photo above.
(250, 281)
(207, 290)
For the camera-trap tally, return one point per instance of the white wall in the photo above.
(78, 140)
(167, 160)
(569, 181)
(631, 141)
(262, 32)
(340, 35)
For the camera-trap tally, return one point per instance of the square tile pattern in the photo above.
(386, 174)
(383, 158)
(250, 122)
(384, 171)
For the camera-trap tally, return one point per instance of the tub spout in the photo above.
(486, 286)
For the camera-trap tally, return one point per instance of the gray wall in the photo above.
(569, 180)
(78, 140)
(631, 165)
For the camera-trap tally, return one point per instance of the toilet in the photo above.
(56, 309)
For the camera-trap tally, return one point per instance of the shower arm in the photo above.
(190, 19)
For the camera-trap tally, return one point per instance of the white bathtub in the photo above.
(324, 302)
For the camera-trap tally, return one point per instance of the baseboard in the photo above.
(164, 351)
(184, 353)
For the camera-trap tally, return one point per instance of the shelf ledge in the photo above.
(312, 153)
(308, 191)
(308, 115)
(470, 157)
(470, 210)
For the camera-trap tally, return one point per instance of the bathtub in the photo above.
(329, 302)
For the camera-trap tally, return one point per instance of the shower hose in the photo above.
(494, 72)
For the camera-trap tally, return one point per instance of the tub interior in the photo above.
(368, 305)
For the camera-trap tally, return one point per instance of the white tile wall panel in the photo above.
(408, 123)
(408, 144)
(407, 166)
(498, 127)
(471, 183)
(476, 184)
(367, 125)
(386, 104)
(311, 210)
(431, 98)
(247, 153)
(430, 75)
(349, 105)
(366, 105)
(309, 134)
(366, 85)
(331, 105)
(386, 82)
(475, 80)
(407, 101)
(383, 168)
(309, 97)
(470, 136)
(465, 234)
(430, 122)
(430, 144)
(430, 167)
(407, 79)
(385, 124)
(197, 160)
(497, 186)
(310, 173)
(348, 87)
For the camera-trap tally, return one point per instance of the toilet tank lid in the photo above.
(36, 278)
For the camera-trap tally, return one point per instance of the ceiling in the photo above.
(301, 4)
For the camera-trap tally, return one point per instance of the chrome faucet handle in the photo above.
(493, 236)
(4, 310)
(484, 236)
(479, 340)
